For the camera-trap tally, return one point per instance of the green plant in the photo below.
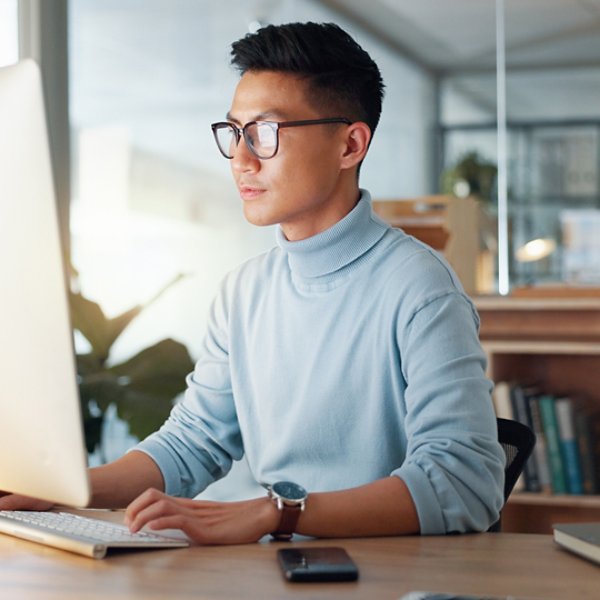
(142, 388)
(470, 176)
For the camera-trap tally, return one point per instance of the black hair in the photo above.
(342, 77)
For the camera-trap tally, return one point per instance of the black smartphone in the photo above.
(317, 564)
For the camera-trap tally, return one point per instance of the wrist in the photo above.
(290, 500)
(270, 515)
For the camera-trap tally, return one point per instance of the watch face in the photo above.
(289, 490)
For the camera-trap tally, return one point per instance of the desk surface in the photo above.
(525, 566)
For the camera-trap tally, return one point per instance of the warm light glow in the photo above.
(536, 250)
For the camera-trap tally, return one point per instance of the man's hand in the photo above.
(202, 521)
(17, 502)
(383, 507)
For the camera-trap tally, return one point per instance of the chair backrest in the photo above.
(517, 441)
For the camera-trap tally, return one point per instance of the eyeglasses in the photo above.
(261, 137)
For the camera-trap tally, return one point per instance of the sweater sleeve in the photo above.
(201, 437)
(454, 466)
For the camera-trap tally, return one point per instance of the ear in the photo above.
(358, 136)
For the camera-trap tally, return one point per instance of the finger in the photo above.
(144, 500)
(161, 508)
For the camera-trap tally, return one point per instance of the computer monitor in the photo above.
(42, 451)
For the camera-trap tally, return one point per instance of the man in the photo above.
(344, 363)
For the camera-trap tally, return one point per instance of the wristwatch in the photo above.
(290, 499)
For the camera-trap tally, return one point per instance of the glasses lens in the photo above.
(262, 139)
(226, 140)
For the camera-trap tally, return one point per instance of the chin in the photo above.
(260, 220)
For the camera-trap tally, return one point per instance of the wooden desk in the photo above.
(518, 564)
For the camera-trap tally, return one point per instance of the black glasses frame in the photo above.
(240, 132)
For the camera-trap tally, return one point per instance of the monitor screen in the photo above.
(42, 452)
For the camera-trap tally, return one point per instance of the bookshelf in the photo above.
(554, 341)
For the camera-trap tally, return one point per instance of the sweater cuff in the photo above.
(166, 464)
(431, 518)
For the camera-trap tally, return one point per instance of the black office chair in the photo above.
(517, 441)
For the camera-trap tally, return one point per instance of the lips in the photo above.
(250, 192)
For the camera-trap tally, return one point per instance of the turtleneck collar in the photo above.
(337, 247)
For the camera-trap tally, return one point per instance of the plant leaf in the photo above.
(158, 370)
(144, 413)
(150, 382)
(88, 318)
(88, 363)
(100, 331)
(103, 388)
(118, 324)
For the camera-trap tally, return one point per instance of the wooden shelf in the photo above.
(555, 343)
(537, 347)
(552, 320)
(527, 512)
(565, 500)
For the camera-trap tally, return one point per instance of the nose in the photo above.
(243, 160)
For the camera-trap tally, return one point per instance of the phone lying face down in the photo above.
(317, 564)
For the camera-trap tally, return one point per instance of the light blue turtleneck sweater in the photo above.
(338, 360)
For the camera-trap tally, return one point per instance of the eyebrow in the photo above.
(263, 116)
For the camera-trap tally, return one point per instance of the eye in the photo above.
(267, 136)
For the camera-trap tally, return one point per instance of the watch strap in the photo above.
(287, 523)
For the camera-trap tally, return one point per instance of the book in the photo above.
(581, 538)
(504, 410)
(540, 449)
(502, 401)
(568, 445)
(587, 428)
(557, 473)
(594, 422)
(519, 398)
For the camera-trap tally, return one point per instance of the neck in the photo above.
(334, 209)
(332, 253)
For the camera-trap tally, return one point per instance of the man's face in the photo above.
(301, 186)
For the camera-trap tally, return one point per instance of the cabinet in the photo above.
(555, 342)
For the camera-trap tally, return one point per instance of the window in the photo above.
(9, 32)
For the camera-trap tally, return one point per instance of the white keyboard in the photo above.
(85, 535)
